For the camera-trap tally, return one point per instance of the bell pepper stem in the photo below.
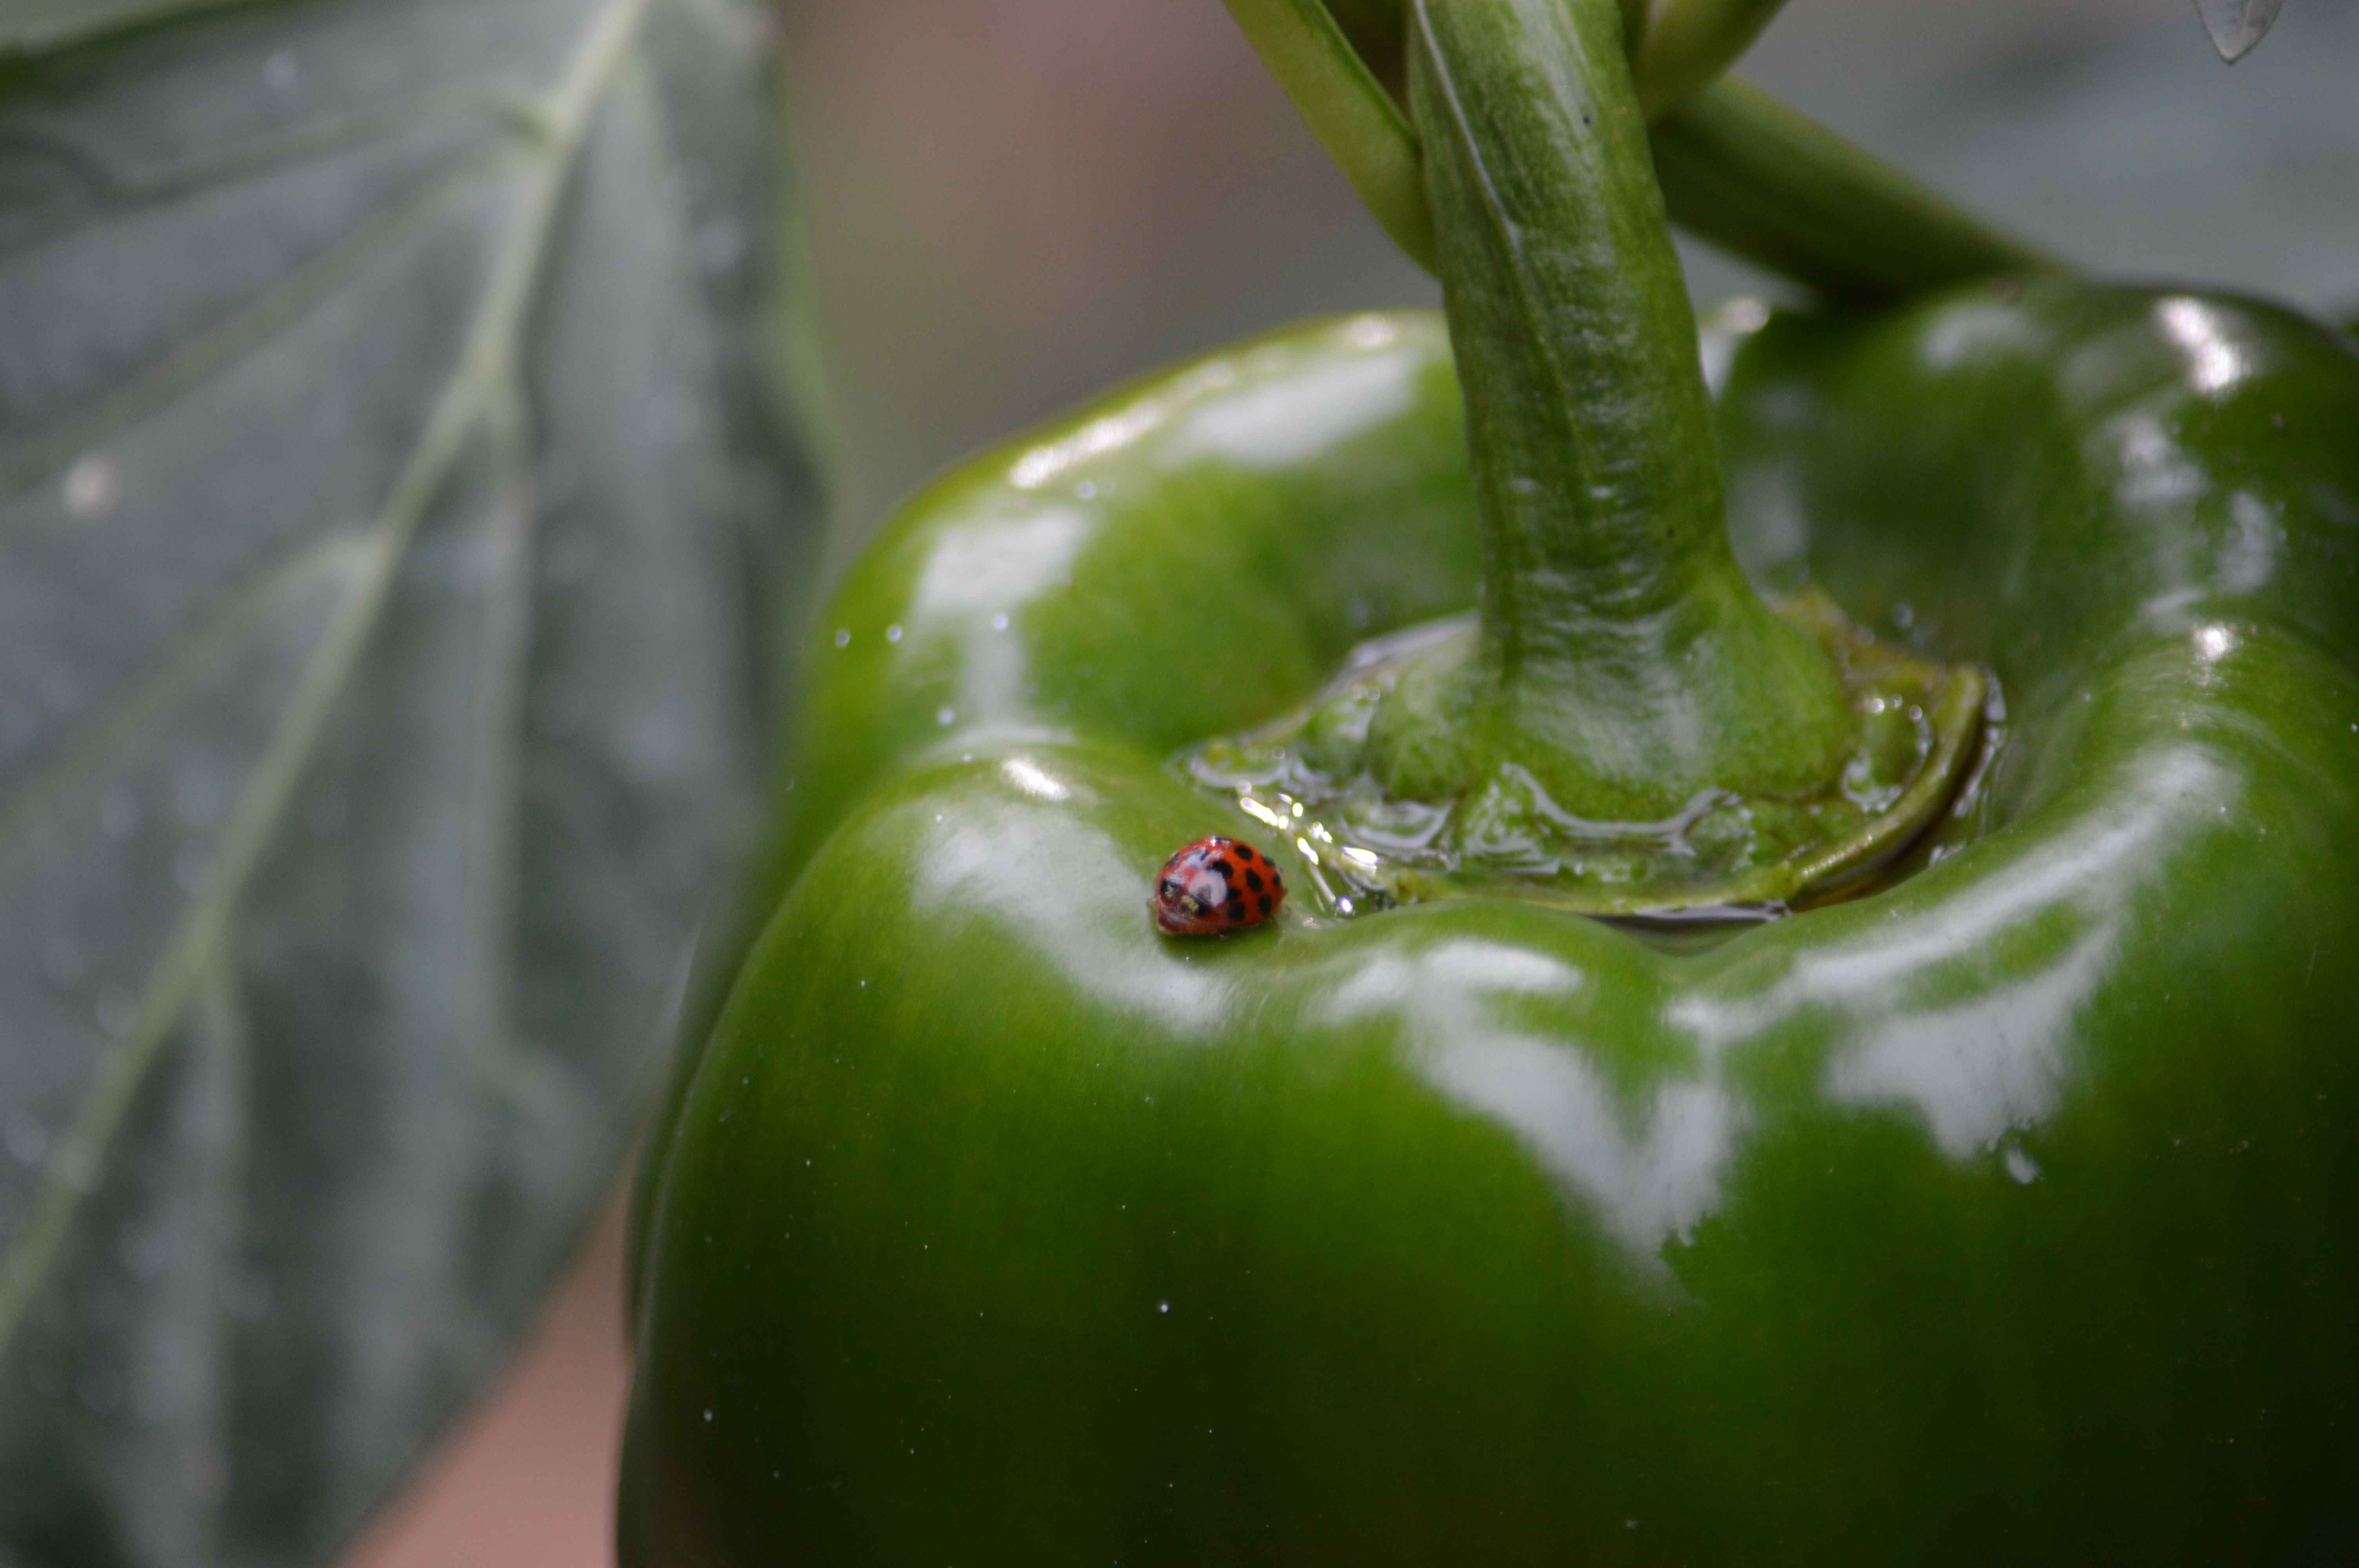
(1623, 659)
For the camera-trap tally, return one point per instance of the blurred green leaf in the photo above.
(398, 504)
(37, 27)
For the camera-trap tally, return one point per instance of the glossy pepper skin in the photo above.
(2005, 1215)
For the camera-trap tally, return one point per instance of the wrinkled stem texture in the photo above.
(1627, 661)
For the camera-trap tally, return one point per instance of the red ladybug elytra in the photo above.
(1216, 884)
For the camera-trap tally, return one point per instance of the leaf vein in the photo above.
(487, 364)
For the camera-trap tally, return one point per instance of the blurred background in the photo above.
(1009, 203)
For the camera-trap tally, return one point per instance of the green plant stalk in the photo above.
(1755, 178)
(1681, 47)
(1623, 659)
(1737, 167)
(1348, 111)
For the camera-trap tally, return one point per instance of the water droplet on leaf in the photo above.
(2236, 26)
(92, 486)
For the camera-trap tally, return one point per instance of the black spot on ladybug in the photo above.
(1264, 903)
(1253, 881)
(1237, 911)
(1244, 853)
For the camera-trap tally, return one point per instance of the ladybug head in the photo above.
(1178, 898)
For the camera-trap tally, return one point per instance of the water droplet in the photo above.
(892, 634)
(1163, 1306)
(843, 636)
(1086, 491)
(708, 1415)
(946, 716)
(2236, 26)
(2022, 1167)
(92, 486)
(999, 624)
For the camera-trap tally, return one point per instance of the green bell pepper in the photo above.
(2001, 1212)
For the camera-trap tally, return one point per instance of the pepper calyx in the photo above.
(1394, 808)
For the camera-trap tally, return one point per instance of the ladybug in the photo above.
(1216, 884)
